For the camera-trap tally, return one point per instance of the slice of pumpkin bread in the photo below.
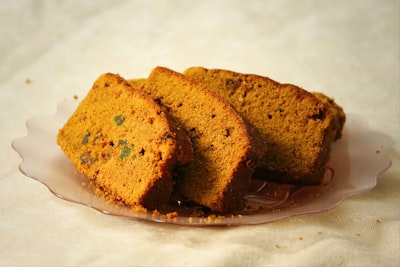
(225, 150)
(297, 127)
(124, 143)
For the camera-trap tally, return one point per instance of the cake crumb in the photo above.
(155, 213)
(138, 208)
(28, 81)
(300, 238)
(358, 234)
(75, 97)
(172, 215)
(277, 246)
(378, 221)
(320, 233)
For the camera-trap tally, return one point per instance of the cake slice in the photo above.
(125, 143)
(225, 149)
(297, 126)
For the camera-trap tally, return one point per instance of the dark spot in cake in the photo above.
(151, 120)
(142, 151)
(269, 116)
(86, 158)
(319, 116)
(107, 84)
(281, 110)
(228, 132)
(85, 139)
(194, 134)
(211, 147)
(120, 80)
(122, 142)
(111, 143)
(213, 116)
(158, 100)
(179, 105)
(125, 152)
(96, 173)
(119, 120)
(232, 84)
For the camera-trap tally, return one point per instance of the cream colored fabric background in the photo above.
(347, 49)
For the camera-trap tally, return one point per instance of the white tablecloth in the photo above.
(52, 50)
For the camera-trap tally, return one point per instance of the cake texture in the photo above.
(337, 111)
(296, 125)
(225, 149)
(125, 143)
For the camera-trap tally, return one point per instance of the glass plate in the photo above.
(357, 159)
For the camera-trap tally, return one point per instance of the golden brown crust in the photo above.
(124, 143)
(295, 124)
(225, 152)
